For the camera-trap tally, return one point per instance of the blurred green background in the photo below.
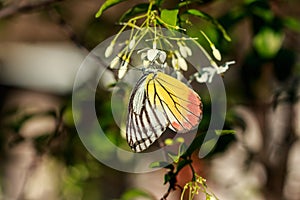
(42, 44)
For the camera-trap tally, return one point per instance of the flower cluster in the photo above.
(158, 59)
(147, 28)
(193, 187)
(122, 60)
(154, 56)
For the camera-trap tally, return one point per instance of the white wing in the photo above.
(145, 124)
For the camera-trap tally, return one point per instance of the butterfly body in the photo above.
(157, 102)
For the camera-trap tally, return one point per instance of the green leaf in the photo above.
(158, 2)
(135, 10)
(268, 42)
(207, 17)
(159, 164)
(167, 178)
(107, 4)
(169, 16)
(197, 142)
(134, 194)
(185, 3)
(292, 23)
(225, 132)
(208, 146)
(174, 157)
(265, 13)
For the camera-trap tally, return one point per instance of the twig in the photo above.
(67, 29)
(13, 9)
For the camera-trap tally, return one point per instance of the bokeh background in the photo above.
(42, 44)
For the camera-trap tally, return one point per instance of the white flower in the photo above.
(152, 54)
(202, 78)
(225, 67)
(184, 50)
(109, 50)
(181, 63)
(222, 69)
(206, 75)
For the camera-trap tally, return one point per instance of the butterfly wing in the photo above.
(145, 123)
(159, 101)
(182, 105)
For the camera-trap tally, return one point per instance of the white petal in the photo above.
(211, 71)
(179, 75)
(206, 75)
(202, 78)
(146, 63)
(182, 63)
(210, 78)
(143, 56)
(188, 50)
(162, 56)
(182, 50)
(224, 67)
(175, 63)
(151, 54)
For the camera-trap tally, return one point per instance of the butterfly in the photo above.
(157, 102)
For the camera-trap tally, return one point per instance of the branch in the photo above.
(15, 9)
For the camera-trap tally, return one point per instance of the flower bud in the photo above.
(115, 63)
(181, 62)
(175, 62)
(182, 49)
(123, 69)
(109, 50)
(131, 43)
(216, 53)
